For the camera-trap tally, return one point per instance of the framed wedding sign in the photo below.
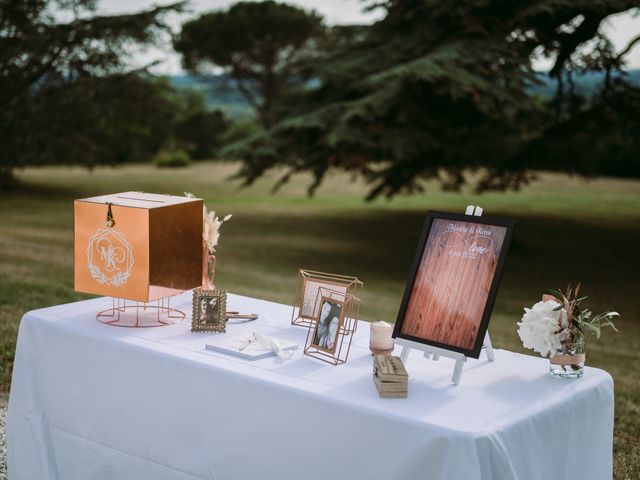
(453, 282)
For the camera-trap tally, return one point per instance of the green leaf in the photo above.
(595, 329)
(609, 323)
(555, 293)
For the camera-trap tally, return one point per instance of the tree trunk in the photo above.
(264, 115)
(7, 177)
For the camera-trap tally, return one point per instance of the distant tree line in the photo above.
(433, 90)
(260, 44)
(436, 89)
(68, 97)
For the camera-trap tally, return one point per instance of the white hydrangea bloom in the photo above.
(541, 328)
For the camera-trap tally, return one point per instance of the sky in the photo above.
(620, 28)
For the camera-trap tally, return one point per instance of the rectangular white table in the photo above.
(91, 401)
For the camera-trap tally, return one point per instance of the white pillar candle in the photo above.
(380, 340)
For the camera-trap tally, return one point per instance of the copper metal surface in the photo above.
(155, 244)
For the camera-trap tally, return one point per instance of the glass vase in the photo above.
(568, 361)
(208, 269)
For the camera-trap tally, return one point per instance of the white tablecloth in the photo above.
(91, 401)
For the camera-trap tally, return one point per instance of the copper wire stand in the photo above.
(134, 314)
(308, 284)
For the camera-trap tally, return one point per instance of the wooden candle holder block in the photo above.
(390, 377)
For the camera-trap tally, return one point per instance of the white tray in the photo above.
(231, 345)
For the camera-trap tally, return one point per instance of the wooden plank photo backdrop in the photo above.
(452, 283)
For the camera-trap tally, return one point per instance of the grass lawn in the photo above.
(567, 230)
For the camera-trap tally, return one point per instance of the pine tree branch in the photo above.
(239, 76)
(628, 48)
(570, 41)
(36, 76)
(106, 20)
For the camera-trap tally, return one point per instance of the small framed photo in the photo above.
(209, 311)
(330, 320)
(330, 333)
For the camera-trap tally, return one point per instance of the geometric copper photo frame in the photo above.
(309, 282)
(209, 311)
(333, 305)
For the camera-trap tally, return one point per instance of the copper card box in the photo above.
(151, 249)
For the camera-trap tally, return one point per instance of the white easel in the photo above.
(436, 352)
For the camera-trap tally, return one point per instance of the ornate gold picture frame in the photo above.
(209, 311)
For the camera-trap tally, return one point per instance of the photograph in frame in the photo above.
(453, 281)
(330, 319)
(209, 311)
(311, 288)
